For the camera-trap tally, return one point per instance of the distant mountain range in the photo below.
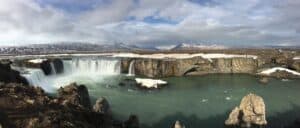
(194, 46)
(71, 47)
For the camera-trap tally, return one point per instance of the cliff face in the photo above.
(192, 66)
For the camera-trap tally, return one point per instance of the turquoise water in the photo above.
(197, 101)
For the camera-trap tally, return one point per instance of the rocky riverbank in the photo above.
(30, 107)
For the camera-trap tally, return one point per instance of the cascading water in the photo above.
(92, 66)
(74, 69)
(53, 70)
(131, 70)
(37, 77)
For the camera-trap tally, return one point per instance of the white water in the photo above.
(53, 70)
(37, 77)
(131, 70)
(77, 67)
(92, 66)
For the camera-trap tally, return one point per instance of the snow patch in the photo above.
(36, 61)
(182, 55)
(208, 56)
(296, 58)
(150, 83)
(275, 69)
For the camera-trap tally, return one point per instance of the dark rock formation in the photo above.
(46, 67)
(250, 112)
(58, 65)
(75, 95)
(8, 75)
(102, 106)
(29, 107)
(132, 122)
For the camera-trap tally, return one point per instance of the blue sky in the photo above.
(151, 22)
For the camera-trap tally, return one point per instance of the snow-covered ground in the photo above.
(182, 55)
(275, 69)
(36, 61)
(296, 58)
(152, 56)
(150, 83)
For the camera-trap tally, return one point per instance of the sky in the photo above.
(151, 22)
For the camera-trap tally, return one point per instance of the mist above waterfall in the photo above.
(91, 69)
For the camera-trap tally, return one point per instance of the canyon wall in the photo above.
(199, 66)
(191, 66)
(167, 65)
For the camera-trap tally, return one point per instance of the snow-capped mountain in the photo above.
(194, 46)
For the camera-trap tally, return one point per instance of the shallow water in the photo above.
(198, 101)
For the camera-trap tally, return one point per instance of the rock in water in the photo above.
(233, 118)
(132, 122)
(264, 80)
(253, 109)
(102, 106)
(178, 124)
(75, 95)
(250, 112)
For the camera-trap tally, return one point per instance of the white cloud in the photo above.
(225, 22)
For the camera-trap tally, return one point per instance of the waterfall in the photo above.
(131, 70)
(53, 70)
(86, 67)
(37, 77)
(101, 66)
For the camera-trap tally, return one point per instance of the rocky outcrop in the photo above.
(29, 107)
(57, 64)
(295, 65)
(74, 95)
(46, 67)
(250, 112)
(102, 106)
(284, 75)
(8, 75)
(44, 64)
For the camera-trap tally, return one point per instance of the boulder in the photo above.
(102, 106)
(74, 95)
(250, 112)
